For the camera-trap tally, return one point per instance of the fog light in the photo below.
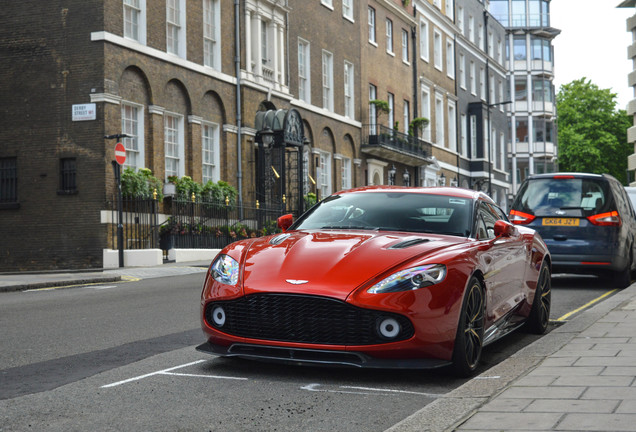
(218, 316)
(389, 328)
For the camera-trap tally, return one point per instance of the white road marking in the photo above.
(204, 376)
(140, 377)
(366, 390)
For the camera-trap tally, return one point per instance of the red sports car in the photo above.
(379, 277)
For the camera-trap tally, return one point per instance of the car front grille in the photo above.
(304, 319)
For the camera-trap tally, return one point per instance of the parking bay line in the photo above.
(585, 306)
(169, 372)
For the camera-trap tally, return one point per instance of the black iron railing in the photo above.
(187, 223)
(139, 223)
(382, 136)
(215, 224)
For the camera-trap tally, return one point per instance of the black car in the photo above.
(586, 220)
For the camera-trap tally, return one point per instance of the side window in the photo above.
(628, 202)
(481, 228)
(497, 212)
(623, 201)
(486, 223)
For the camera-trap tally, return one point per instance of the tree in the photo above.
(381, 107)
(592, 134)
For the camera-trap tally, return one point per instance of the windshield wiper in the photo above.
(360, 227)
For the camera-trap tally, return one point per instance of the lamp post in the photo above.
(442, 180)
(392, 172)
(120, 215)
(406, 177)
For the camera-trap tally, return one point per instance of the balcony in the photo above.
(388, 144)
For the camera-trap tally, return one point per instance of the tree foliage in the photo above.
(140, 184)
(592, 134)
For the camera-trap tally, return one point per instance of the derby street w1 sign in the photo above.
(120, 153)
(84, 112)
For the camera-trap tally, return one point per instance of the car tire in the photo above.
(622, 278)
(539, 317)
(470, 331)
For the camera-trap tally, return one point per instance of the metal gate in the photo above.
(279, 166)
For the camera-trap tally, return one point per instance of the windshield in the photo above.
(573, 195)
(392, 211)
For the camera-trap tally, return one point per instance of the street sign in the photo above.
(120, 153)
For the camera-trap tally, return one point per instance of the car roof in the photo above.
(568, 174)
(441, 190)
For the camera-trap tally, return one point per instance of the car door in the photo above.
(503, 261)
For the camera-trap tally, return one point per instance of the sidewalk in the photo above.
(32, 280)
(579, 377)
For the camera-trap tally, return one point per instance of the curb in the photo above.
(454, 408)
(60, 283)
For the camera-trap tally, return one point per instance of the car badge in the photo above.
(560, 212)
(296, 281)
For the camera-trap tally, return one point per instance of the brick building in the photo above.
(186, 79)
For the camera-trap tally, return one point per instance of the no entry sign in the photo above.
(120, 153)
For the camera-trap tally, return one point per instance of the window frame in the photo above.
(327, 81)
(347, 9)
(450, 58)
(425, 96)
(68, 176)
(135, 143)
(371, 23)
(139, 11)
(304, 65)
(324, 173)
(349, 90)
(438, 57)
(176, 29)
(389, 36)
(405, 46)
(424, 41)
(9, 183)
(178, 144)
(345, 173)
(210, 147)
(440, 114)
(211, 42)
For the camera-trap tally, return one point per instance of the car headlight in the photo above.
(410, 279)
(225, 269)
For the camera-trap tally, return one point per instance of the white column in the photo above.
(257, 45)
(248, 41)
(275, 54)
(281, 54)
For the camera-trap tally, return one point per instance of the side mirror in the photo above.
(504, 229)
(285, 221)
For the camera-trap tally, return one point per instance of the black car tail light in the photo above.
(520, 218)
(606, 219)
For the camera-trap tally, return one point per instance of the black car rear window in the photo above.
(572, 195)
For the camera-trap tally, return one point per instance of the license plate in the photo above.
(560, 221)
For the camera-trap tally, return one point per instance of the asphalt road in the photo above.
(121, 356)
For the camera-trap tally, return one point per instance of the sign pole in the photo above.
(120, 214)
(120, 156)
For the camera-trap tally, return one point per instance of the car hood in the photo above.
(331, 263)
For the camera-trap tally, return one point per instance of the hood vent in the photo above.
(408, 243)
(279, 239)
